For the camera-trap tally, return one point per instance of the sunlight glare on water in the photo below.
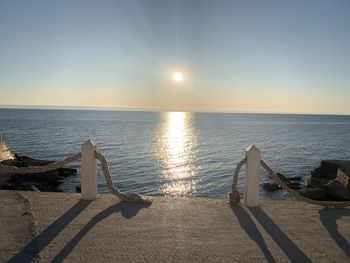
(188, 154)
(176, 143)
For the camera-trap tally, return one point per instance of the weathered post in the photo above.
(88, 170)
(252, 175)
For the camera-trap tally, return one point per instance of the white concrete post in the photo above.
(88, 171)
(252, 175)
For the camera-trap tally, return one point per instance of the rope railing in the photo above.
(39, 169)
(234, 196)
(130, 197)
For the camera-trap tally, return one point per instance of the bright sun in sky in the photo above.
(177, 76)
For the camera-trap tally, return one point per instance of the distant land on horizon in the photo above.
(97, 108)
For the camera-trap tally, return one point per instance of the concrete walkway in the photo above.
(56, 227)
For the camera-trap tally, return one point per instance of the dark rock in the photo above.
(315, 182)
(294, 178)
(78, 189)
(344, 165)
(328, 168)
(336, 189)
(294, 185)
(325, 177)
(313, 193)
(47, 182)
(66, 171)
(271, 187)
(6, 186)
(289, 179)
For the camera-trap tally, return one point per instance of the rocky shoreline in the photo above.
(46, 182)
(326, 182)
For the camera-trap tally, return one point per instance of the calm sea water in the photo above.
(176, 153)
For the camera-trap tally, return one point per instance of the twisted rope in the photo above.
(130, 197)
(300, 197)
(234, 195)
(39, 169)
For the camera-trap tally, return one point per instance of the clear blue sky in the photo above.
(270, 56)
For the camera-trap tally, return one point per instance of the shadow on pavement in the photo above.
(328, 217)
(252, 231)
(32, 250)
(288, 247)
(127, 209)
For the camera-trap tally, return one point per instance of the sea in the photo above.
(178, 153)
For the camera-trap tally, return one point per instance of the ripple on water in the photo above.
(177, 153)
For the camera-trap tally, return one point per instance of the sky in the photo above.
(235, 56)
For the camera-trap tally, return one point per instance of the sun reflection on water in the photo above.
(176, 142)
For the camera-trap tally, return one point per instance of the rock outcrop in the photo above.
(336, 190)
(328, 182)
(47, 182)
(325, 180)
(291, 181)
(271, 187)
(313, 193)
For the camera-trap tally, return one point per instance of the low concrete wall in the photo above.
(343, 177)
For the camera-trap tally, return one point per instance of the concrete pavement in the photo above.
(59, 227)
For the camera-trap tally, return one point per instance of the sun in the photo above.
(177, 76)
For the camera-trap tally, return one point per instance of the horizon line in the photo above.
(100, 108)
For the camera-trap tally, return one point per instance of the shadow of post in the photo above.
(252, 231)
(34, 247)
(127, 209)
(328, 217)
(282, 240)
